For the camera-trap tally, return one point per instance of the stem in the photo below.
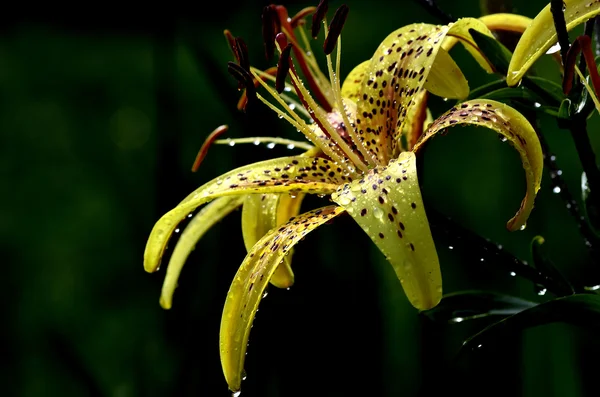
(559, 183)
(436, 11)
(556, 7)
(481, 248)
(578, 129)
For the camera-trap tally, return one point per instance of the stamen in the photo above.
(333, 151)
(299, 17)
(232, 44)
(283, 67)
(302, 58)
(207, 143)
(266, 74)
(270, 28)
(242, 49)
(318, 17)
(367, 157)
(244, 78)
(320, 117)
(337, 23)
(581, 44)
(265, 139)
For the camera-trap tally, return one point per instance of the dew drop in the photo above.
(457, 320)
(542, 291)
(537, 104)
(556, 189)
(523, 226)
(177, 230)
(280, 116)
(265, 294)
(503, 138)
(291, 146)
(344, 200)
(256, 142)
(292, 106)
(513, 274)
(553, 49)
(378, 213)
(270, 145)
(450, 247)
(236, 394)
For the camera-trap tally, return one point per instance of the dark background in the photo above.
(101, 114)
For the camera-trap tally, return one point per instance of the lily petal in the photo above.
(507, 22)
(509, 123)
(387, 205)
(396, 73)
(286, 174)
(249, 285)
(200, 223)
(351, 88)
(445, 78)
(263, 212)
(541, 35)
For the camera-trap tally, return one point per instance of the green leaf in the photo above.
(496, 53)
(508, 93)
(469, 305)
(550, 87)
(547, 267)
(582, 310)
(486, 88)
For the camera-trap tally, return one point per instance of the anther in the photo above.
(270, 27)
(245, 79)
(337, 23)
(242, 49)
(207, 143)
(318, 17)
(283, 67)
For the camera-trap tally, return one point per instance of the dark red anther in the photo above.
(242, 50)
(244, 77)
(207, 144)
(337, 23)
(281, 39)
(270, 27)
(232, 44)
(318, 17)
(283, 67)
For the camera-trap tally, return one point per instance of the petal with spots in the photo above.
(249, 285)
(509, 123)
(395, 76)
(541, 35)
(353, 82)
(263, 212)
(200, 223)
(282, 175)
(387, 205)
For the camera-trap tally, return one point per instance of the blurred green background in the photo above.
(101, 118)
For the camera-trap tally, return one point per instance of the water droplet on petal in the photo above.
(378, 213)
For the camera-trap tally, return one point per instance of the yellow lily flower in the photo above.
(540, 35)
(366, 134)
